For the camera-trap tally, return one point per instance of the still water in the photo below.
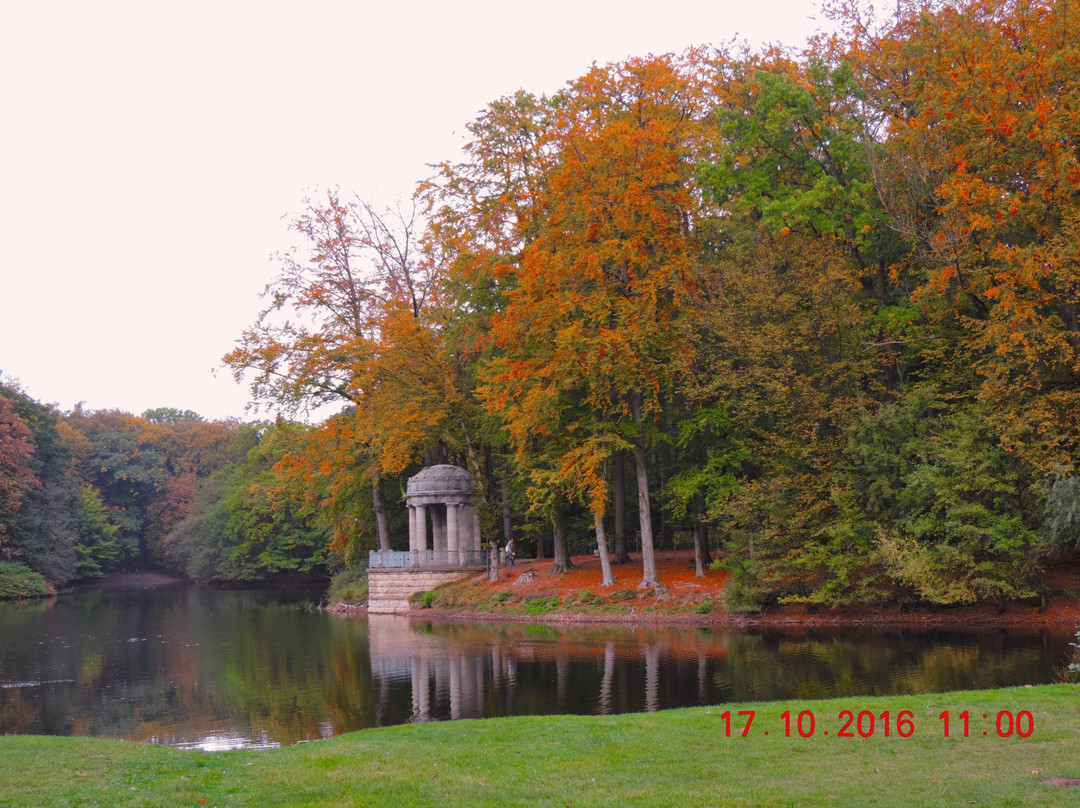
(200, 668)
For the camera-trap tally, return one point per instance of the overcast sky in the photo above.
(149, 152)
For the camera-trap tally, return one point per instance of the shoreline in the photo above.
(528, 593)
(935, 620)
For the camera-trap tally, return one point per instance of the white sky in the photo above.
(149, 152)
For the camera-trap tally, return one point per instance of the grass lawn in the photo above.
(676, 758)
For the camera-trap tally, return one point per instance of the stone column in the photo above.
(421, 528)
(412, 530)
(452, 531)
(438, 528)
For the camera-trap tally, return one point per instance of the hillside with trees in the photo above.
(87, 493)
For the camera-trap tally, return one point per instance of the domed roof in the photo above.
(441, 479)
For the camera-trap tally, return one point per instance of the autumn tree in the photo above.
(482, 210)
(979, 170)
(16, 477)
(583, 348)
(345, 324)
(784, 355)
(248, 522)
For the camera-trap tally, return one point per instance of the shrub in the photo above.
(19, 581)
(422, 600)
(541, 605)
(1070, 671)
(587, 598)
(349, 586)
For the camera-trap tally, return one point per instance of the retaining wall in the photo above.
(389, 590)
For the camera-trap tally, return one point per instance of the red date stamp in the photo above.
(867, 724)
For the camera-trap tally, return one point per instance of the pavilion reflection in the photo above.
(460, 671)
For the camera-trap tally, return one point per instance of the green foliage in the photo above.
(1061, 514)
(713, 463)
(542, 605)
(41, 533)
(130, 474)
(247, 523)
(349, 586)
(952, 512)
(19, 581)
(587, 598)
(96, 549)
(171, 415)
(423, 600)
(795, 158)
(1073, 667)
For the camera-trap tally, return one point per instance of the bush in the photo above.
(587, 598)
(1061, 515)
(19, 581)
(1070, 671)
(349, 586)
(541, 605)
(422, 600)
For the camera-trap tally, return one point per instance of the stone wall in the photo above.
(389, 590)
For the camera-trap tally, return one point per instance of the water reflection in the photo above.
(470, 671)
(194, 667)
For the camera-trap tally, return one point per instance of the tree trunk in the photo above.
(561, 552)
(667, 529)
(701, 548)
(601, 546)
(649, 577)
(622, 555)
(382, 523)
(706, 553)
(540, 546)
(504, 491)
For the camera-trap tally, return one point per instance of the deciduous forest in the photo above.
(814, 313)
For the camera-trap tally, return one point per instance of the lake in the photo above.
(202, 668)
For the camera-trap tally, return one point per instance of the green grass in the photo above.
(676, 758)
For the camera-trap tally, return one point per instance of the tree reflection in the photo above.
(211, 669)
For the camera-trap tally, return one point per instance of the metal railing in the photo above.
(427, 559)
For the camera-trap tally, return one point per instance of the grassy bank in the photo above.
(682, 757)
(528, 592)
